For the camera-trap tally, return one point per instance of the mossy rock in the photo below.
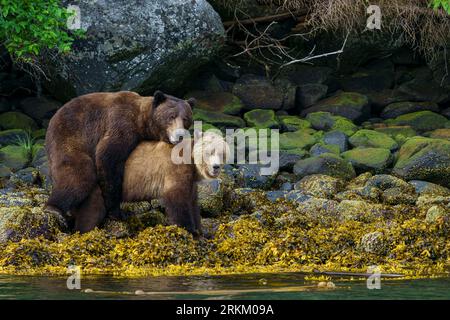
(293, 123)
(12, 136)
(296, 140)
(17, 120)
(320, 148)
(327, 164)
(14, 157)
(428, 188)
(210, 198)
(218, 119)
(351, 105)
(369, 159)
(420, 121)
(326, 121)
(424, 159)
(372, 139)
(398, 108)
(395, 131)
(223, 102)
(261, 119)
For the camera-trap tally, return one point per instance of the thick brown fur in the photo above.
(150, 174)
(90, 137)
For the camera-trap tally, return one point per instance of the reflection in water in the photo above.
(274, 286)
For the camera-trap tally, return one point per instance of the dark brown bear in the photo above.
(90, 137)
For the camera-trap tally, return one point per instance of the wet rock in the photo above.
(25, 177)
(424, 88)
(218, 119)
(17, 223)
(12, 136)
(288, 158)
(337, 138)
(385, 97)
(320, 186)
(258, 92)
(373, 242)
(16, 120)
(5, 172)
(223, 102)
(14, 157)
(293, 123)
(420, 121)
(261, 119)
(371, 194)
(321, 148)
(137, 46)
(396, 109)
(289, 92)
(368, 159)
(372, 139)
(424, 159)
(39, 108)
(326, 121)
(116, 229)
(309, 94)
(424, 187)
(327, 164)
(366, 81)
(350, 105)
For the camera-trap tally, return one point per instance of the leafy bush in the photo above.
(444, 4)
(29, 27)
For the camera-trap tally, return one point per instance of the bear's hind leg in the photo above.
(73, 180)
(90, 213)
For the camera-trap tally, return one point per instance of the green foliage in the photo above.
(29, 27)
(444, 4)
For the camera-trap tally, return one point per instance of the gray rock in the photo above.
(304, 74)
(12, 136)
(210, 197)
(273, 196)
(297, 196)
(336, 138)
(320, 148)
(288, 159)
(373, 243)
(309, 94)
(320, 186)
(257, 92)
(136, 45)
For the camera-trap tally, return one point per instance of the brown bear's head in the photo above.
(171, 116)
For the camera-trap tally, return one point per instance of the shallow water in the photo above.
(256, 286)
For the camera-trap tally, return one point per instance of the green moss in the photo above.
(224, 102)
(14, 157)
(374, 139)
(296, 140)
(344, 125)
(261, 119)
(293, 123)
(372, 159)
(17, 120)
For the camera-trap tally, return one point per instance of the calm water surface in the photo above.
(256, 286)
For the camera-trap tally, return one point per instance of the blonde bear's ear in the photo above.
(197, 135)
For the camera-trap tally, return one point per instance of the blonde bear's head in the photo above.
(210, 153)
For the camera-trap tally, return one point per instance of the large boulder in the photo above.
(17, 120)
(326, 121)
(260, 118)
(420, 120)
(372, 139)
(39, 108)
(398, 108)
(136, 45)
(224, 102)
(368, 159)
(257, 92)
(424, 159)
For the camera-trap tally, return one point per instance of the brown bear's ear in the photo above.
(192, 102)
(158, 98)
